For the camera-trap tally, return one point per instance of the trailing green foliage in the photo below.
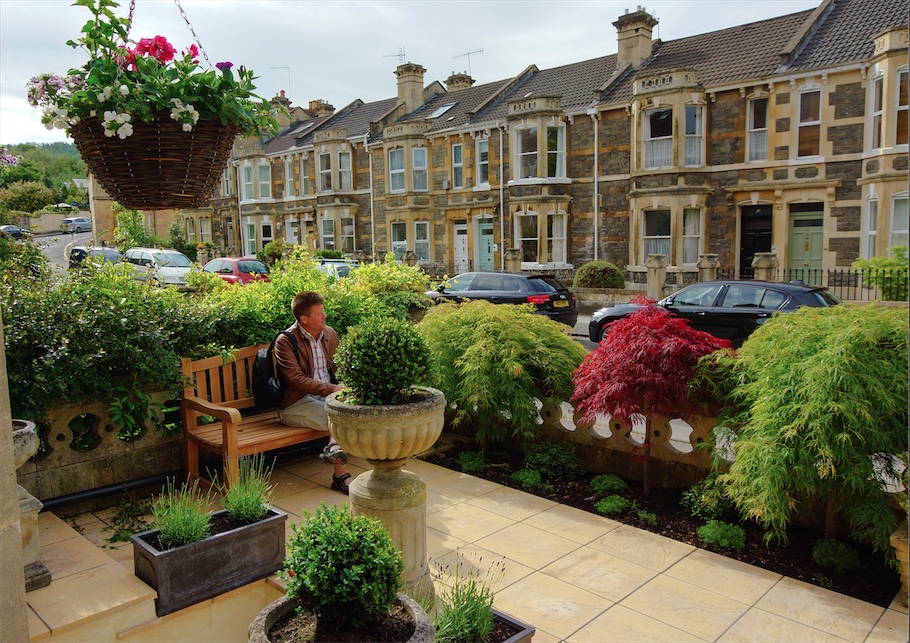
(128, 519)
(381, 359)
(344, 568)
(888, 274)
(723, 534)
(465, 610)
(707, 500)
(247, 500)
(599, 274)
(608, 483)
(328, 254)
(611, 505)
(496, 363)
(181, 515)
(396, 287)
(552, 459)
(527, 478)
(818, 403)
(837, 555)
(129, 410)
(471, 461)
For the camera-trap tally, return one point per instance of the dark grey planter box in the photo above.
(192, 573)
(526, 633)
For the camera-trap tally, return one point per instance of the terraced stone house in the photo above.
(788, 135)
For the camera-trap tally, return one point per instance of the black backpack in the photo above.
(267, 384)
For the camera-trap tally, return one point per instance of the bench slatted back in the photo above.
(221, 382)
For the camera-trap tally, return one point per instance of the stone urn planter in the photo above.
(25, 445)
(899, 542)
(191, 573)
(386, 436)
(276, 610)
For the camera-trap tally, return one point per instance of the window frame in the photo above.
(249, 239)
(398, 246)
(522, 241)
(694, 140)
(876, 112)
(190, 225)
(422, 245)
(205, 230)
(247, 181)
(690, 236)
(482, 176)
(654, 239)
(526, 158)
(553, 239)
(556, 158)
(266, 233)
(902, 109)
(264, 180)
(902, 232)
(327, 232)
(347, 233)
(457, 165)
(655, 145)
(345, 174)
(396, 173)
(757, 136)
(806, 125)
(304, 177)
(871, 228)
(289, 178)
(324, 169)
(420, 169)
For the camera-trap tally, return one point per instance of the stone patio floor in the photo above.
(575, 576)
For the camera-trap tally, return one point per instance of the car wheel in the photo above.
(78, 230)
(603, 332)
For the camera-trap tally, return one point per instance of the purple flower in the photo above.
(224, 66)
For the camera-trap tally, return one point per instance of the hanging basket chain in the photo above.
(192, 31)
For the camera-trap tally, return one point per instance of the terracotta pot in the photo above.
(275, 611)
(191, 573)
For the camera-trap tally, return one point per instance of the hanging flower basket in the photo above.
(159, 165)
(155, 127)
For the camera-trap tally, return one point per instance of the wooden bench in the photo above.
(221, 389)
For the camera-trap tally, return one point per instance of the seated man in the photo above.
(310, 376)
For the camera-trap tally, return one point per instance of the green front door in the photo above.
(805, 249)
(485, 245)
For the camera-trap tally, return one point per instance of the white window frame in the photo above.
(396, 170)
(190, 230)
(758, 133)
(327, 232)
(397, 244)
(345, 171)
(457, 165)
(249, 239)
(292, 231)
(526, 157)
(691, 239)
(264, 180)
(806, 122)
(900, 230)
(902, 116)
(324, 161)
(422, 240)
(420, 169)
(658, 149)
(482, 149)
(523, 236)
(347, 229)
(694, 138)
(871, 236)
(226, 183)
(556, 237)
(205, 230)
(304, 177)
(556, 154)
(876, 111)
(289, 178)
(248, 183)
(657, 242)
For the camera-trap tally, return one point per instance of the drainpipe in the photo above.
(592, 112)
(161, 479)
(372, 206)
(502, 206)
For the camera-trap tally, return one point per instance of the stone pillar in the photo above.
(410, 257)
(707, 267)
(657, 275)
(765, 264)
(513, 260)
(14, 624)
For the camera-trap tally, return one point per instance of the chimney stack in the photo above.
(410, 85)
(319, 107)
(459, 81)
(633, 35)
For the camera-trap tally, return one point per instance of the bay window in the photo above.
(526, 155)
(396, 170)
(900, 221)
(903, 77)
(265, 181)
(691, 235)
(556, 151)
(399, 239)
(526, 224)
(878, 85)
(248, 183)
(304, 177)
(327, 228)
(556, 237)
(658, 138)
(347, 233)
(288, 178)
(694, 139)
(422, 240)
(656, 238)
(758, 129)
(325, 172)
(809, 125)
(345, 175)
(419, 170)
(483, 162)
(871, 228)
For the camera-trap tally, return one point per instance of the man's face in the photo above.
(314, 322)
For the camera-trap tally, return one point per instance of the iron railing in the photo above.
(888, 284)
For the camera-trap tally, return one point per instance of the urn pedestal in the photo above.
(25, 444)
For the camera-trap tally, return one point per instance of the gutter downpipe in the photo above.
(372, 208)
(592, 112)
(502, 207)
(92, 494)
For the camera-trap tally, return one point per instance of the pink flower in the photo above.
(193, 52)
(158, 48)
(224, 66)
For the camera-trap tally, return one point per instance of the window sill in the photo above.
(537, 181)
(554, 265)
(483, 187)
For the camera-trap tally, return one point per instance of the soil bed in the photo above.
(875, 582)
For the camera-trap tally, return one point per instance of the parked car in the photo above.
(76, 224)
(238, 270)
(13, 231)
(159, 267)
(337, 267)
(79, 254)
(544, 291)
(728, 309)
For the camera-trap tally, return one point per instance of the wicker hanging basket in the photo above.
(159, 166)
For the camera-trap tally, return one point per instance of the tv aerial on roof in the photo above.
(468, 56)
(401, 56)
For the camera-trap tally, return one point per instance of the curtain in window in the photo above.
(657, 233)
(527, 233)
(556, 238)
(900, 222)
(691, 234)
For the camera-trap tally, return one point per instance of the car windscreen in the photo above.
(247, 267)
(108, 254)
(459, 283)
(173, 260)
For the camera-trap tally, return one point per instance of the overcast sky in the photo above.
(341, 51)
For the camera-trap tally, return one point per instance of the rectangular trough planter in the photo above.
(188, 574)
(525, 633)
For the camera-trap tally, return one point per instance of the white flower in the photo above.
(109, 116)
(92, 113)
(124, 90)
(105, 94)
(177, 102)
(187, 127)
(125, 130)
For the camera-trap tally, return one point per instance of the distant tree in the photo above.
(53, 164)
(129, 231)
(28, 196)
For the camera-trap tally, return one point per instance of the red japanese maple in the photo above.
(642, 365)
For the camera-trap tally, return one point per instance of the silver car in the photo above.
(159, 266)
(76, 224)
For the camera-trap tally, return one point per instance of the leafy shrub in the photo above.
(599, 274)
(608, 483)
(397, 287)
(707, 500)
(646, 517)
(611, 505)
(328, 254)
(247, 500)
(723, 534)
(466, 605)
(273, 251)
(888, 274)
(344, 568)
(838, 555)
(552, 459)
(379, 360)
(205, 282)
(181, 515)
(471, 461)
(495, 364)
(527, 478)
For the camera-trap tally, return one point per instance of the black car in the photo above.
(544, 291)
(78, 254)
(12, 231)
(728, 309)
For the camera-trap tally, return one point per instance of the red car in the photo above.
(238, 270)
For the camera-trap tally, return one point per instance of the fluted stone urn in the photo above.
(386, 436)
(25, 445)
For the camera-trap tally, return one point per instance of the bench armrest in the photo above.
(226, 414)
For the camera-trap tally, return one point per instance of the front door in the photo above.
(804, 256)
(485, 244)
(460, 248)
(755, 236)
